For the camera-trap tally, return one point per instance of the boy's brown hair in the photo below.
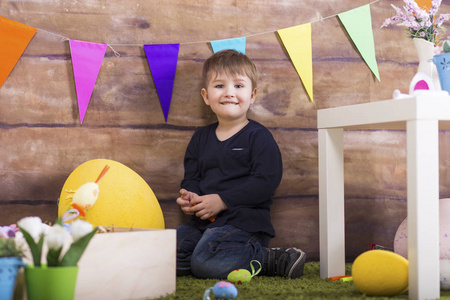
(231, 62)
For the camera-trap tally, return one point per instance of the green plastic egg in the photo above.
(239, 276)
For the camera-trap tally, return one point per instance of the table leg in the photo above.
(423, 208)
(331, 203)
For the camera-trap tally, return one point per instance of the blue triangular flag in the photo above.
(237, 44)
(162, 60)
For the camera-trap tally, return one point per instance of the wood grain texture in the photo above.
(42, 141)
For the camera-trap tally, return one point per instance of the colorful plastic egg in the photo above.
(401, 242)
(239, 276)
(124, 198)
(225, 290)
(380, 273)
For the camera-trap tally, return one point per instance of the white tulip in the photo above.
(79, 229)
(56, 236)
(32, 225)
(45, 228)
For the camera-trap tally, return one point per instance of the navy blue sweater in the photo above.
(244, 170)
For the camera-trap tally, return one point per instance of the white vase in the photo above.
(444, 270)
(425, 52)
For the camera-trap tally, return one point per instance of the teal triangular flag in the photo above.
(237, 44)
(358, 24)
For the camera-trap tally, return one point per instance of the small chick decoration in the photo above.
(85, 196)
(122, 198)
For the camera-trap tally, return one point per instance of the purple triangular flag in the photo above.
(87, 59)
(162, 60)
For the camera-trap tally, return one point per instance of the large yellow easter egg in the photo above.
(380, 273)
(124, 198)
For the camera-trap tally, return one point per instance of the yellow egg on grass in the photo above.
(380, 273)
(124, 198)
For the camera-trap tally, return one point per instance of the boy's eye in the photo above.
(238, 86)
(219, 86)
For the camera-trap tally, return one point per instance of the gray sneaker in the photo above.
(285, 262)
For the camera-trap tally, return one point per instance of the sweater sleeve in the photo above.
(191, 178)
(265, 176)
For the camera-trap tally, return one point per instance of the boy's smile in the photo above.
(229, 96)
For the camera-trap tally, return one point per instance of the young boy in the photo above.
(232, 169)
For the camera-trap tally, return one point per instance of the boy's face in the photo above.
(229, 96)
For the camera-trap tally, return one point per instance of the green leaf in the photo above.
(53, 257)
(59, 221)
(8, 248)
(76, 250)
(447, 46)
(36, 249)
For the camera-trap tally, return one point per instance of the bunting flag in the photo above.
(14, 38)
(237, 44)
(358, 23)
(162, 60)
(424, 4)
(87, 59)
(297, 41)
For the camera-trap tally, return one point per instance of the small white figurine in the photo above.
(421, 83)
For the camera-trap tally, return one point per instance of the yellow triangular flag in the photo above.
(297, 41)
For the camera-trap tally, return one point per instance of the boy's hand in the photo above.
(184, 201)
(207, 206)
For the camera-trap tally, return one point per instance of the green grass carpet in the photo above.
(309, 286)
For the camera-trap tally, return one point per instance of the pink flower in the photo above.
(420, 22)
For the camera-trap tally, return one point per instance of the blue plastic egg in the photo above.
(225, 290)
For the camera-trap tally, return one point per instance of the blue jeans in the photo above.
(217, 251)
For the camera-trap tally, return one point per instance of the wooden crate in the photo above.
(124, 264)
(139, 264)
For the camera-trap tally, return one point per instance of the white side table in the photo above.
(421, 116)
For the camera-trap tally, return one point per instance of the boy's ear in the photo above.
(205, 96)
(252, 99)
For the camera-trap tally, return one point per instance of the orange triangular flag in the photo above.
(424, 4)
(14, 38)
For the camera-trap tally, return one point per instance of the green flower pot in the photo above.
(51, 283)
(8, 273)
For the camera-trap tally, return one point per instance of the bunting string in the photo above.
(117, 54)
(87, 57)
(63, 38)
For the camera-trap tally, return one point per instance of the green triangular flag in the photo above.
(358, 24)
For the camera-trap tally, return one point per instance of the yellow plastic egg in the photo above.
(380, 273)
(124, 198)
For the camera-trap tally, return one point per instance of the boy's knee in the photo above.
(207, 266)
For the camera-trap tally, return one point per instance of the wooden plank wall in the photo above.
(42, 141)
